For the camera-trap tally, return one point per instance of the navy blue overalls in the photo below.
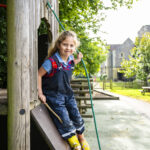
(59, 95)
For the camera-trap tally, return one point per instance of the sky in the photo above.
(125, 23)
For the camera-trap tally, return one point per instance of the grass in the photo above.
(119, 88)
(133, 93)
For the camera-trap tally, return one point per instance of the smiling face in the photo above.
(67, 48)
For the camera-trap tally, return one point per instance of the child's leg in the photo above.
(74, 114)
(74, 143)
(83, 142)
(77, 121)
(66, 129)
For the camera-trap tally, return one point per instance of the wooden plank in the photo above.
(81, 91)
(35, 18)
(33, 52)
(3, 92)
(31, 44)
(3, 105)
(50, 16)
(54, 23)
(85, 106)
(111, 95)
(37, 14)
(3, 102)
(80, 86)
(45, 10)
(3, 109)
(3, 98)
(37, 21)
(42, 9)
(46, 126)
(86, 116)
(81, 80)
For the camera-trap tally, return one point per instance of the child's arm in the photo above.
(78, 59)
(41, 73)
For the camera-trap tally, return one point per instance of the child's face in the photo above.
(67, 47)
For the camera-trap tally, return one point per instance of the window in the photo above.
(121, 55)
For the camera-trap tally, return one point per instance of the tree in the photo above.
(95, 52)
(139, 61)
(84, 16)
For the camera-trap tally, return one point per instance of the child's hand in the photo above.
(42, 98)
(80, 56)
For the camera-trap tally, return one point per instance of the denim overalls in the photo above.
(59, 95)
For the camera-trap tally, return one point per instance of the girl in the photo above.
(54, 88)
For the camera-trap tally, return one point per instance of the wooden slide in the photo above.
(46, 126)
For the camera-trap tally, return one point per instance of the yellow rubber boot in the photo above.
(74, 143)
(85, 145)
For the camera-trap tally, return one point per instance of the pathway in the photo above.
(122, 125)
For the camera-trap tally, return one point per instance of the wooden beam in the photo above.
(79, 86)
(81, 80)
(85, 106)
(107, 94)
(3, 102)
(81, 91)
(18, 75)
(86, 116)
(33, 34)
(54, 23)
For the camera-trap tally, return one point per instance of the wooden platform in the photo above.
(42, 119)
(46, 126)
(81, 95)
(81, 92)
(105, 95)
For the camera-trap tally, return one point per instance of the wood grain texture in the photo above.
(46, 126)
(18, 75)
(24, 18)
(33, 51)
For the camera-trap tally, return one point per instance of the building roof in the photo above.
(145, 28)
(128, 40)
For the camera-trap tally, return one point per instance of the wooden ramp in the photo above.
(46, 126)
(105, 95)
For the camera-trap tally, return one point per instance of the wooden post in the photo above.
(18, 75)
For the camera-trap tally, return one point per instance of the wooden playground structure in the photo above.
(20, 101)
(23, 20)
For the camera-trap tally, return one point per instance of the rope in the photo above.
(89, 85)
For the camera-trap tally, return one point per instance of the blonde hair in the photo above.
(55, 47)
